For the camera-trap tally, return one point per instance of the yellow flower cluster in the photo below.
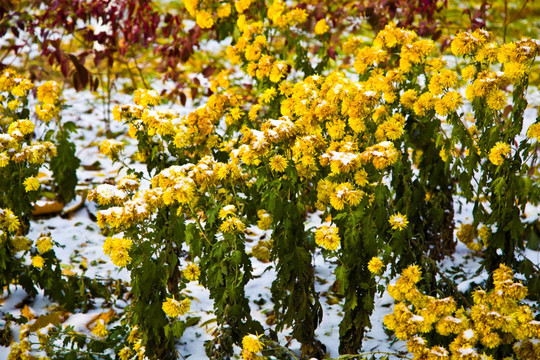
(36, 153)
(398, 221)
(231, 223)
(9, 222)
(118, 250)
(282, 16)
(413, 51)
(128, 183)
(467, 43)
(488, 84)
(324, 123)
(192, 272)
(111, 148)
(252, 49)
(145, 98)
(44, 243)
(195, 129)
(496, 318)
(265, 220)
(135, 340)
(205, 12)
(328, 237)
(38, 261)
(14, 132)
(498, 153)
(533, 132)
(138, 208)
(466, 234)
(49, 92)
(17, 85)
(221, 80)
(49, 95)
(181, 185)
(321, 27)
(106, 194)
(375, 266)
(100, 329)
(380, 155)
(20, 128)
(174, 308)
(251, 345)
(31, 184)
(14, 89)
(262, 250)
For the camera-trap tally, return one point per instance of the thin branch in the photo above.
(448, 281)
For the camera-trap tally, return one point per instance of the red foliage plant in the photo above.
(108, 31)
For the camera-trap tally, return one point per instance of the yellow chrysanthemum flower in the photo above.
(468, 72)
(252, 344)
(192, 272)
(328, 237)
(498, 153)
(49, 92)
(144, 97)
(375, 265)
(398, 221)
(38, 262)
(226, 211)
(204, 19)
(4, 159)
(242, 5)
(20, 128)
(44, 243)
(125, 353)
(118, 250)
(265, 220)
(496, 100)
(321, 27)
(31, 184)
(224, 10)
(532, 133)
(9, 221)
(111, 148)
(171, 307)
(232, 225)
(278, 163)
(100, 330)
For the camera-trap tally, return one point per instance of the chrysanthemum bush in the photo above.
(381, 150)
(498, 324)
(23, 154)
(21, 157)
(32, 263)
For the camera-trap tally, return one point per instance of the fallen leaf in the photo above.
(44, 207)
(106, 317)
(44, 320)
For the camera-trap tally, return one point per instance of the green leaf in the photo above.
(178, 329)
(192, 320)
(64, 166)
